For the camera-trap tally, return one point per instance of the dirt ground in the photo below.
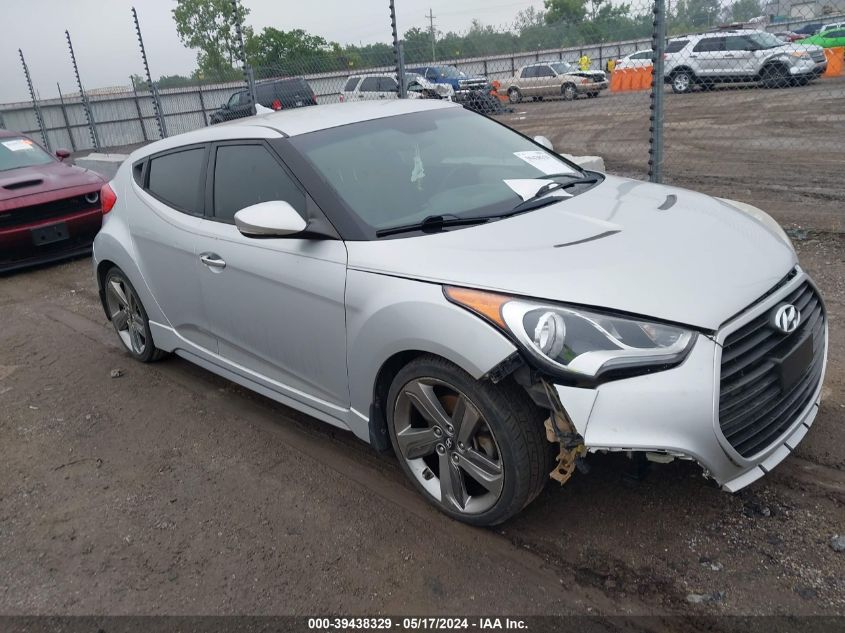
(170, 491)
(779, 149)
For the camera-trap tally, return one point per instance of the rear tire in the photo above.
(568, 92)
(514, 95)
(489, 438)
(129, 318)
(682, 82)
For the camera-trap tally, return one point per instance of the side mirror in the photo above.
(542, 140)
(62, 153)
(275, 218)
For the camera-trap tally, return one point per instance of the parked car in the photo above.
(462, 84)
(441, 285)
(276, 94)
(788, 36)
(833, 26)
(808, 29)
(712, 58)
(554, 79)
(49, 209)
(638, 59)
(385, 86)
(830, 38)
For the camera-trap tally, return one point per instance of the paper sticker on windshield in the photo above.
(18, 144)
(546, 163)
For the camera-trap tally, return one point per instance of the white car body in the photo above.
(373, 86)
(638, 59)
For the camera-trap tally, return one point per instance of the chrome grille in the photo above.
(818, 56)
(754, 410)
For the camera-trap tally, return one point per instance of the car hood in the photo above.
(26, 181)
(626, 245)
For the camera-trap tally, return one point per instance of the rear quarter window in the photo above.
(351, 83)
(176, 179)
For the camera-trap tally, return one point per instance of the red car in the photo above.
(49, 209)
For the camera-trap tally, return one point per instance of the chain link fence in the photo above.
(741, 99)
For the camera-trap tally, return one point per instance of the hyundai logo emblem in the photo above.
(786, 318)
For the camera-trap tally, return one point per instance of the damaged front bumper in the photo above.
(675, 413)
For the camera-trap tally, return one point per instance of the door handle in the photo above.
(212, 260)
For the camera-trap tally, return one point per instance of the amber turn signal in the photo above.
(486, 304)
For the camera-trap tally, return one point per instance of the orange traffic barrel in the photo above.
(616, 80)
(835, 61)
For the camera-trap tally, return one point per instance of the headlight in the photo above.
(801, 54)
(577, 342)
(761, 216)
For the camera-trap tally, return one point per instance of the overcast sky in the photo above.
(107, 52)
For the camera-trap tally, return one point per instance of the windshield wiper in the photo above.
(539, 200)
(432, 224)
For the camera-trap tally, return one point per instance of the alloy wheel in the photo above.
(125, 313)
(448, 446)
(681, 82)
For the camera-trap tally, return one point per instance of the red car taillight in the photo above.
(107, 198)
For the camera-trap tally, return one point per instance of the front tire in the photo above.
(514, 95)
(775, 76)
(568, 92)
(475, 450)
(129, 318)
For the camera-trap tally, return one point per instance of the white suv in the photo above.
(740, 56)
(384, 86)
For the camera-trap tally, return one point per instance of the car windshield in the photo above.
(450, 72)
(17, 152)
(449, 162)
(765, 40)
(562, 68)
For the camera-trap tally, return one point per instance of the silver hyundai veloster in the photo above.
(437, 283)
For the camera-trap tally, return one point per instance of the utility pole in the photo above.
(430, 15)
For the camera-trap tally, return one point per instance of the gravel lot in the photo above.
(169, 490)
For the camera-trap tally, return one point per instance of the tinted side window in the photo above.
(834, 34)
(643, 55)
(248, 174)
(387, 84)
(545, 71)
(370, 84)
(430, 74)
(709, 44)
(529, 72)
(676, 45)
(175, 178)
(350, 84)
(738, 44)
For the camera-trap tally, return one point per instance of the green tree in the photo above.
(295, 50)
(529, 18)
(743, 10)
(565, 11)
(208, 27)
(693, 14)
(417, 45)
